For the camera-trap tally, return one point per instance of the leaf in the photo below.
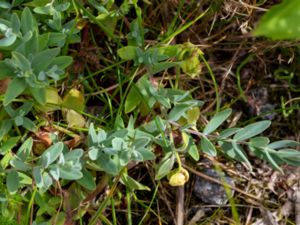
(12, 181)
(128, 52)
(193, 115)
(87, 180)
(5, 70)
(146, 154)
(8, 145)
(25, 149)
(39, 94)
(62, 62)
(8, 41)
(132, 184)
(228, 132)
(208, 147)
(165, 166)
(216, 121)
(259, 142)
(74, 119)
(27, 21)
(193, 152)
(74, 99)
(273, 163)
(283, 144)
(239, 150)
(28, 124)
(281, 21)
(15, 88)
(42, 60)
(251, 130)
(38, 178)
(51, 154)
(133, 99)
(21, 61)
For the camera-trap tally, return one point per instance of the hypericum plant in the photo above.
(32, 64)
(57, 162)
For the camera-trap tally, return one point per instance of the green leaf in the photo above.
(165, 167)
(15, 88)
(251, 130)
(272, 161)
(28, 124)
(240, 151)
(259, 142)
(62, 62)
(24, 151)
(208, 147)
(128, 52)
(27, 21)
(39, 94)
(193, 152)
(12, 181)
(133, 99)
(21, 61)
(132, 184)
(42, 60)
(228, 132)
(281, 21)
(69, 172)
(216, 121)
(51, 154)
(283, 144)
(38, 178)
(8, 145)
(146, 153)
(87, 180)
(8, 41)
(5, 70)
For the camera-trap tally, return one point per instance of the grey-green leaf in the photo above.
(251, 130)
(217, 121)
(208, 147)
(15, 88)
(12, 181)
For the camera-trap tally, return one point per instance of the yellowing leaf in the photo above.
(74, 119)
(74, 99)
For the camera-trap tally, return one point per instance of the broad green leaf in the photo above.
(283, 144)
(21, 61)
(27, 21)
(208, 147)
(12, 181)
(28, 124)
(15, 23)
(251, 130)
(5, 70)
(8, 145)
(15, 88)
(87, 180)
(133, 99)
(68, 172)
(217, 121)
(132, 184)
(193, 152)
(62, 62)
(8, 41)
(259, 142)
(108, 164)
(146, 153)
(20, 165)
(42, 60)
(128, 52)
(25, 149)
(281, 21)
(228, 132)
(38, 178)
(5, 128)
(51, 154)
(165, 167)
(39, 94)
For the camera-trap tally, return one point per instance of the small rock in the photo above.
(210, 192)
